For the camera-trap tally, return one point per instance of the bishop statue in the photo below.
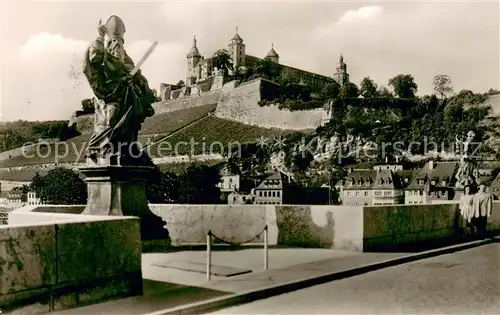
(124, 93)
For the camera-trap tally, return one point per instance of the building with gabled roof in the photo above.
(433, 183)
(275, 189)
(374, 184)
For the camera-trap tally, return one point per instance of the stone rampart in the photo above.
(183, 102)
(241, 104)
(52, 261)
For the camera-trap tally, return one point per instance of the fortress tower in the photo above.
(341, 75)
(237, 50)
(272, 55)
(193, 57)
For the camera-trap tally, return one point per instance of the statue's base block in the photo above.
(121, 191)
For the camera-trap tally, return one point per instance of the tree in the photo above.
(222, 61)
(349, 90)
(404, 85)
(330, 90)
(61, 186)
(88, 105)
(368, 88)
(442, 85)
(267, 69)
(198, 185)
(384, 92)
(163, 187)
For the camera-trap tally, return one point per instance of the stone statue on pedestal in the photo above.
(117, 169)
(126, 98)
(467, 174)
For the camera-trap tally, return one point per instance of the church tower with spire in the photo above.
(237, 50)
(341, 75)
(193, 57)
(272, 55)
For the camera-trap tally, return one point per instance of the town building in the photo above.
(16, 198)
(32, 199)
(381, 185)
(240, 198)
(230, 181)
(275, 189)
(434, 183)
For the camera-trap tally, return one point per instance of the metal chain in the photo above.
(237, 244)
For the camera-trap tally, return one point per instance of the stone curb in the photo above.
(266, 292)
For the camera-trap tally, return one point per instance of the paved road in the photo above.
(465, 282)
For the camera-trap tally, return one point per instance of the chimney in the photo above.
(431, 164)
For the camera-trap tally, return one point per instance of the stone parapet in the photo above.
(52, 261)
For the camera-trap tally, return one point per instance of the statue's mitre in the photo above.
(115, 27)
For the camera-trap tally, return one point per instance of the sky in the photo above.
(43, 43)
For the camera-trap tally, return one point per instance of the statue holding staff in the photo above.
(125, 95)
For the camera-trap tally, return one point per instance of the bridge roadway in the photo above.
(464, 282)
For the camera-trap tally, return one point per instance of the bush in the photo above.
(61, 186)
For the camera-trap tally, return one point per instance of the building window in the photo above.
(278, 193)
(387, 193)
(348, 194)
(378, 193)
(366, 193)
(357, 193)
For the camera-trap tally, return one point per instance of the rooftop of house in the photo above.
(373, 179)
(360, 179)
(387, 179)
(434, 171)
(277, 180)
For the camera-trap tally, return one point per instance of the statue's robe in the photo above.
(126, 106)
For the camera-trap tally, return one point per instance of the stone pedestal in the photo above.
(121, 190)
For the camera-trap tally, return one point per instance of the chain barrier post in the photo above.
(209, 255)
(266, 258)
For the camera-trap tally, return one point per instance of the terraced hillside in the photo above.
(72, 150)
(211, 135)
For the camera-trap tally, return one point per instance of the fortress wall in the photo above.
(241, 104)
(206, 98)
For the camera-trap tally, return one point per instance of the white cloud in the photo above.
(362, 14)
(47, 43)
(46, 81)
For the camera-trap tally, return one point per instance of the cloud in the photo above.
(47, 43)
(362, 14)
(46, 81)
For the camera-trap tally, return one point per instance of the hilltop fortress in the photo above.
(205, 84)
(203, 76)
